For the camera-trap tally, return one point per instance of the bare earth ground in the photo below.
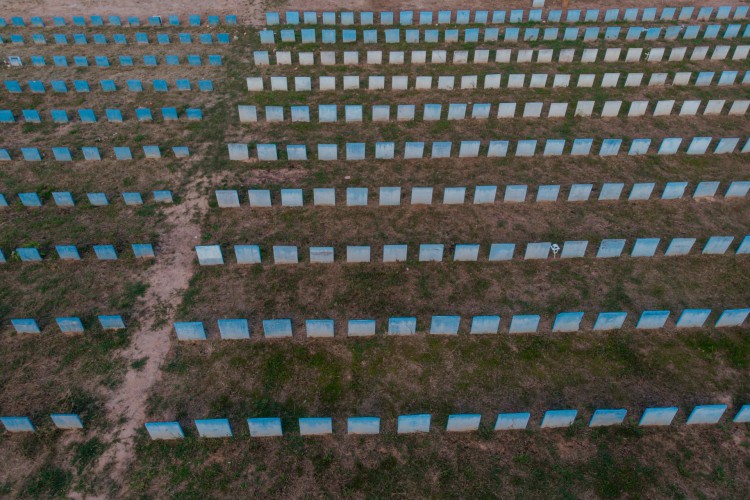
(168, 278)
(118, 382)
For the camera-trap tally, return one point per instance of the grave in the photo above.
(277, 328)
(315, 426)
(558, 418)
(512, 421)
(214, 428)
(164, 430)
(658, 416)
(361, 327)
(409, 424)
(264, 427)
(402, 326)
(463, 422)
(363, 425)
(604, 418)
(66, 421)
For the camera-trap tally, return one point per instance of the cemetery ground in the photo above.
(94, 374)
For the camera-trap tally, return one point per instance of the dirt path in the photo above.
(167, 279)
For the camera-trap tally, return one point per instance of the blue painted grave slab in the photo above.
(59, 86)
(98, 199)
(409, 424)
(119, 39)
(205, 85)
(567, 322)
(558, 418)
(123, 153)
(67, 252)
(87, 115)
(214, 428)
(611, 191)
(402, 326)
(673, 190)
(141, 38)
(38, 61)
(209, 255)
(66, 421)
(234, 329)
(105, 252)
(466, 252)
(134, 21)
(355, 151)
(512, 421)
(30, 199)
(706, 414)
(484, 194)
(743, 415)
(524, 323)
(37, 86)
(394, 253)
(31, 154)
(31, 116)
(717, 245)
(160, 86)
(91, 153)
(108, 85)
(185, 38)
(445, 325)
(319, 327)
(113, 115)
(6, 116)
(679, 246)
(132, 198)
(227, 198)
(28, 254)
(484, 325)
(164, 430)
(465, 422)
(604, 418)
(190, 330)
(17, 424)
(143, 250)
(150, 60)
(80, 61)
(430, 252)
(610, 147)
(61, 154)
(732, 317)
(651, 320)
(69, 325)
(277, 328)
(363, 425)
(173, 60)
(58, 21)
(361, 327)
(214, 60)
(658, 416)
(111, 322)
(693, 318)
(25, 325)
(152, 151)
(259, 197)
(574, 249)
(315, 426)
(12, 86)
(264, 427)
(169, 114)
(501, 251)
(538, 250)
(63, 199)
(580, 192)
(645, 247)
(610, 320)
